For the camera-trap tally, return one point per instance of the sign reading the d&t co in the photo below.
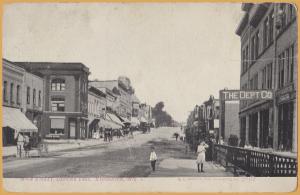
(232, 95)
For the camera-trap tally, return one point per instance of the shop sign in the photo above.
(235, 95)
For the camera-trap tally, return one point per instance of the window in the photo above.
(58, 104)
(18, 94)
(264, 78)
(256, 44)
(12, 93)
(266, 33)
(291, 12)
(28, 95)
(291, 61)
(40, 98)
(57, 126)
(58, 85)
(282, 9)
(281, 70)
(269, 76)
(287, 64)
(253, 48)
(5, 91)
(271, 26)
(255, 82)
(247, 57)
(34, 97)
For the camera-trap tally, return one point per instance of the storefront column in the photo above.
(247, 129)
(295, 134)
(258, 128)
(275, 128)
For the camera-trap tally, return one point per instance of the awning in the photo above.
(114, 119)
(143, 120)
(134, 122)
(125, 120)
(15, 119)
(108, 124)
(92, 122)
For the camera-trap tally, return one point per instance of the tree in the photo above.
(162, 118)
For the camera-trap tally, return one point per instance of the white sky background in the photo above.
(177, 53)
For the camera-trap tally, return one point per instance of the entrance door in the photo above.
(72, 130)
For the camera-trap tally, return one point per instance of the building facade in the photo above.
(96, 110)
(229, 119)
(13, 85)
(123, 90)
(33, 98)
(268, 33)
(211, 114)
(65, 98)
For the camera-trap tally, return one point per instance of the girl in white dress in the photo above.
(201, 155)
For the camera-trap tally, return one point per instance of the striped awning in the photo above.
(15, 119)
(113, 118)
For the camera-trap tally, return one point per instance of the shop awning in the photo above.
(15, 119)
(92, 122)
(134, 121)
(108, 124)
(114, 119)
(125, 120)
(143, 120)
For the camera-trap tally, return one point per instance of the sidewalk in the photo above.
(64, 144)
(188, 168)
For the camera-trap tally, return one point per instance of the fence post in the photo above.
(271, 165)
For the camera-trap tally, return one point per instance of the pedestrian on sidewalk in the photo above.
(201, 155)
(153, 158)
(20, 144)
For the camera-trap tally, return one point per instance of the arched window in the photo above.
(58, 84)
(34, 97)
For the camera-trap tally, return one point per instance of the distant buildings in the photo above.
(268, 33)
(123, 90)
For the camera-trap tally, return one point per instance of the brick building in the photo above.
(13, 104)
(268, 33)
(65, 98)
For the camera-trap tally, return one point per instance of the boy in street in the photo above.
(153, 158)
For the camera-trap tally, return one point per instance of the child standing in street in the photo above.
(153, 158)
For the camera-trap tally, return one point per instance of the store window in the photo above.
(58, 104)
(58, 84)
(57, 126)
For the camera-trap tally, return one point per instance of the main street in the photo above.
(127, 157)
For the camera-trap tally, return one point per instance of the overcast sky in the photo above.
(176, 53)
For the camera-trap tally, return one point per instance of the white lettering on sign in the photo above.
(246, 95)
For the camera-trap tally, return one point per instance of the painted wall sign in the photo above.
(233, 95)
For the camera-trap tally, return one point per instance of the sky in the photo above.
(178, 53)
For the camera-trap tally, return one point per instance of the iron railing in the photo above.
(256, 163)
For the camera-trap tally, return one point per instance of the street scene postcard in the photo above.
(149, 97)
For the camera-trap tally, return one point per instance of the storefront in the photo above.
(14, 122)
(286, 102)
